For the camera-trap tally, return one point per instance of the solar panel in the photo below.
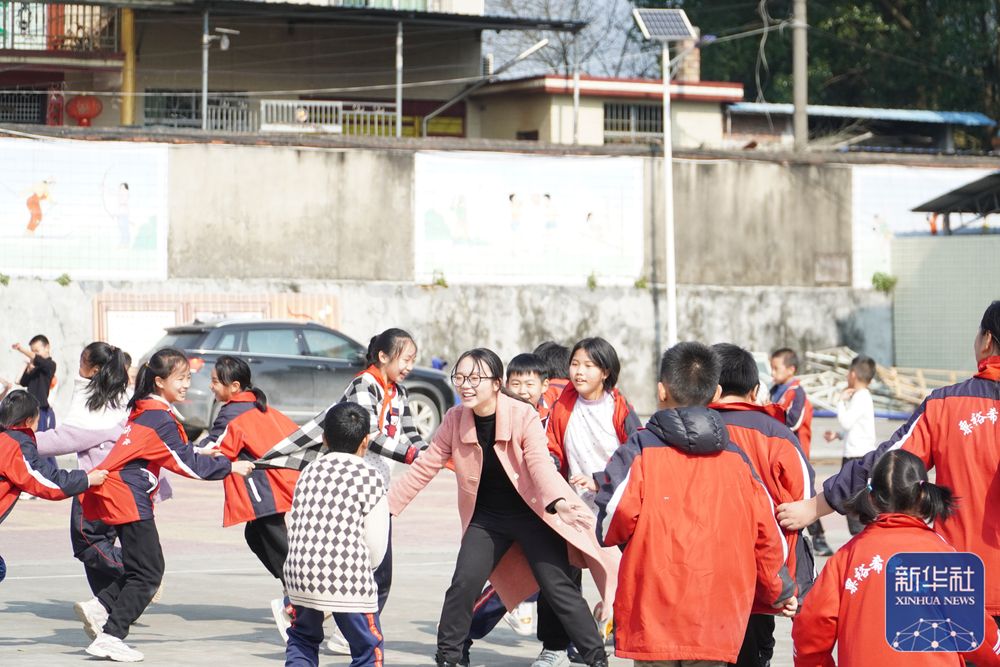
(664, 25)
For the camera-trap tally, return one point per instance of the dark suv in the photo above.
(302, 367)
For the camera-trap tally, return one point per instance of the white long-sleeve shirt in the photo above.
(857, 423)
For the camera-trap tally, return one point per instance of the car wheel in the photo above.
(426, 415)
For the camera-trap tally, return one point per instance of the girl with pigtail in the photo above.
(847, 604)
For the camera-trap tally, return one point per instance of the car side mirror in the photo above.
(358, 359)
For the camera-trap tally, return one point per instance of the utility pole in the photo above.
(800, 92)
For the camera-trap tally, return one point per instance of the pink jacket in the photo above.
(522, 448)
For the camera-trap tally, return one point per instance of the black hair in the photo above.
(390, 343)
(738, 374)
(17, 408)
(163, 362)
(527, 364)
(690, 372)
(128, 360)
(231, 369)
(603, 354)
(107, 387)
(788, 357)
(39, 339)
(864, 368)
(489, 361)
(556, 358)
(991, 323)
(899, 484)
(345, 427)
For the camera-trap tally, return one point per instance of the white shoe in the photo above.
(606, 627)
(282, 619)
(549, 658)
(93, 615)
(157, 595)
(335, 642)
(106, 646)
(522, 619)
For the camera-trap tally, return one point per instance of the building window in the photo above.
(182, 108)
(23, 106)
(527, 135)
(632, 122)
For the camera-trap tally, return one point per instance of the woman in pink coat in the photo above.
(522, 521)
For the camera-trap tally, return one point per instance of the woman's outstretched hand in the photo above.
(575, 514)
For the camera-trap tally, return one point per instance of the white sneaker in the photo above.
(93, 615)
(106, 646)
(335, 642)
(282, 618)
(157, 595)
(522, 619)
(549, 658)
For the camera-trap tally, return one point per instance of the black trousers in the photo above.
(129, 595)
(267, 538)
(94, 545)
(853, 522)
(816, 529)
(758, 642)
(551, 632)
(486, 540)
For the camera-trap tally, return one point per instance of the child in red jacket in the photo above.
(245, 429)
(846, 606)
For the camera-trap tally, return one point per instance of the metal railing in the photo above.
(372, 119)
(44, 27)
(408, 5)
(237, 119)
(632, 122)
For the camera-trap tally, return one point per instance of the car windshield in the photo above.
(182, 340)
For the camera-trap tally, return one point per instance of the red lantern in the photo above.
(83, 108)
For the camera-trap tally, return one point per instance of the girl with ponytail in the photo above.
(847, 604)
(245, 429)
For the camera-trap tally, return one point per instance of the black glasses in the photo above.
(474, 381)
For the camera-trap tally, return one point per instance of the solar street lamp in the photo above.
(665, 26)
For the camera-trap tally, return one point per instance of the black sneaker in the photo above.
(821, 547)
(600, 662)
(441, 662)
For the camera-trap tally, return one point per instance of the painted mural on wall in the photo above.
(518, 219)
(89, 210)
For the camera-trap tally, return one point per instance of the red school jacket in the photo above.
(798, 411)
(241, 431)
(956, 431)
(626, 423)
(22, 469)
(852, 615)
(776, 457)
(153, 439)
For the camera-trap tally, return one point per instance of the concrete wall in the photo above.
(503, 117)
(510, 320)
(242, 212)
(591, 120)
(696, 124)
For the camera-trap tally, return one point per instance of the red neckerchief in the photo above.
(771, 409)
(989, 368)
(25, 430)
(388, 390)
(242, 397)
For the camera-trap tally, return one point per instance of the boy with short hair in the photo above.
(788, 393)
(697, 527)
(856, 416)
(528, 377)
(338, 534)
(556, 360)
(774, 451)
(37, 377)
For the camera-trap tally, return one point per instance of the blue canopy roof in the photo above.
(967, 118)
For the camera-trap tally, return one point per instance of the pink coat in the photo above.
(522, 449)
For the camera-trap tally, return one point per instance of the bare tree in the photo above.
(610, 45)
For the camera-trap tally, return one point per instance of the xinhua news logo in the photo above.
(935, 602)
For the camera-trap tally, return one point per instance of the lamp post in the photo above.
(665, 26)
(206, 42)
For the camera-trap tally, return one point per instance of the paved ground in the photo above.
(215, 604)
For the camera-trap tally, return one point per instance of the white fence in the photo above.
(373, 119)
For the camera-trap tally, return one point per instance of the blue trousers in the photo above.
(363, 633)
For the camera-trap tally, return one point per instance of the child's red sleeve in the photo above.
(814, 630)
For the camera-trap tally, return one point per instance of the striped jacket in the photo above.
(153, 440)
(956, 431)
(22, 469)
(241, 431)
(393, 433)
(798, 411)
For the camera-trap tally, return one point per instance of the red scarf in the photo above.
(388, 392)
(989, 368)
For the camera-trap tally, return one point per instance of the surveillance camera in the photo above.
(227, 31)
(224, 42)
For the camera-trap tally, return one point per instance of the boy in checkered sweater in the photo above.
(338, 534)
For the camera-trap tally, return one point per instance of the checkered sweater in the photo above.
(337, 535)
(397, 439)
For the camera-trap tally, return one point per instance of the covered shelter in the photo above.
(980, 198)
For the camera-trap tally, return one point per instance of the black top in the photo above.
(497, 494)
(38, 380)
